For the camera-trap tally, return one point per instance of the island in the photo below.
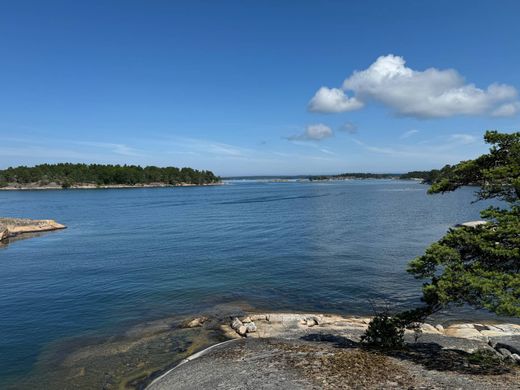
(67, 175)
(13, 227)
(425, 177)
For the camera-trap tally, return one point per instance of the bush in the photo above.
(384, 332)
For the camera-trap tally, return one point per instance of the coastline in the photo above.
(14, 227)
(303, 336)
(96, 187)
(188, 349)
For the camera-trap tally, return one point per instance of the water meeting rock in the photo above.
(11, 227)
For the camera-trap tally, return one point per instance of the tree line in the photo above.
(426, 177)
(67, 174)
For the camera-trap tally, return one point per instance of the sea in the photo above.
(139, 256)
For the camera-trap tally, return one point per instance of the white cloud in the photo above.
(508, 109)
(409, 133)
(349, 127)
(464, 138)
(333, 100)
(431, 93)
(447, 148)
(208, 147)
(315, 132)
(121, 149)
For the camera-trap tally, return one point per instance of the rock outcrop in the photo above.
(11, 227)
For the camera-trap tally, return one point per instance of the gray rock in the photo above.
(236, 324)
(515, 357)
(311, 321)
(471, 224)
(242, 330)
(196, 322)
(505, 352)
(250, 327)
(511, 343)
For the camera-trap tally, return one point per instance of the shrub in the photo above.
(384, 332)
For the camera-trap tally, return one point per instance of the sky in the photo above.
(257, 87)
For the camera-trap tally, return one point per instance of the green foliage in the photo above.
(497, 173)
(479, 265)
(384, 331)
(387, 331)
(427, 177)
(486, 360)
(70, 174)
(356, 175)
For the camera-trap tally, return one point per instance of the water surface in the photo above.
(132, 255)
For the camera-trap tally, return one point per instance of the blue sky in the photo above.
(257, 87)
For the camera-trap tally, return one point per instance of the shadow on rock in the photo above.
(338, 341)
(431, 356)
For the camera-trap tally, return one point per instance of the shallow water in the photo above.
(133, 255)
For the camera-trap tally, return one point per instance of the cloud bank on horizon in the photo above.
(432, 93)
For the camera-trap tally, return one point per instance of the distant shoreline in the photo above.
(95, 186)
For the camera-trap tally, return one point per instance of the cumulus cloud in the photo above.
(508, 109)
(315, 132)
(333, 100)
(431, 93)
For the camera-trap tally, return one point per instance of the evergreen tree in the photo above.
(479, 265)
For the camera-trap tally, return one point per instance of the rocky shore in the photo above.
(314, 351)
(13, 227)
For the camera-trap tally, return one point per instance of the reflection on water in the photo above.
(23, 236)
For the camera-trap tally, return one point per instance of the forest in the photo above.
(67, 175)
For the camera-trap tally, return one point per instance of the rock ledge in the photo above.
(11, 227)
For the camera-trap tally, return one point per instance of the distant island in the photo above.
(426, 177)
(66, 175)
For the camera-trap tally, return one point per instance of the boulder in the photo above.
(440, 328)
(512, 344)
(236, 324)
(196, 322)
(250, 327)
(242, 330)
(247, 319)
(311, 321)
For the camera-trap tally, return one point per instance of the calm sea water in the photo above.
(137, 254)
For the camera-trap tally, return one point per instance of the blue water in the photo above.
(130, 255)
